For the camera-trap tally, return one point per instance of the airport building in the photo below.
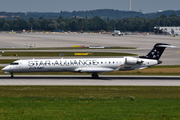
(167, 30)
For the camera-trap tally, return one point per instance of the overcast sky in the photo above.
(146, 6)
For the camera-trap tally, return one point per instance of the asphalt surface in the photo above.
(68, 40)
(143, 43)
(86, 80)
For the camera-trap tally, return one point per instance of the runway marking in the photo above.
(177, 52)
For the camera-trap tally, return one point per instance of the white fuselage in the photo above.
(89, 65)
(117, 32)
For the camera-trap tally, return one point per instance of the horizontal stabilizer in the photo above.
(169, 46)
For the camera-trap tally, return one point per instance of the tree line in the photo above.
(103, 13)
(92, 24)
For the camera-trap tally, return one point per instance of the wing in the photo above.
(94, 70)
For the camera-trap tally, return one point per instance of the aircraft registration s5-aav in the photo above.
(88, 65)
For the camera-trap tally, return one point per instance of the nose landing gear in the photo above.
(12, 75)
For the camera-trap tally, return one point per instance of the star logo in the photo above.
(155, 53)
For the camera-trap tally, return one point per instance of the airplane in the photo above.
(116, 32)
(88, 65)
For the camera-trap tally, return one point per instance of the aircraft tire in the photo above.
(95, 75)
(12, 75)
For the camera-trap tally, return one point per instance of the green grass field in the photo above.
(89, 103)
(6, 61)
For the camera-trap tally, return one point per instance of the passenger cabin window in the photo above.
(14, 63)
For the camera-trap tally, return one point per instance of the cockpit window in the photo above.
(14, 63)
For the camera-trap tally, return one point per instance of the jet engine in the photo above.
(132, 61)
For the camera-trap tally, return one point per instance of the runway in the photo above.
(86, 80)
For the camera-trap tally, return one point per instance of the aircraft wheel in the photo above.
(12, 75)
(95, 75)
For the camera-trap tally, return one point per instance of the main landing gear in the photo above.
(12, 75)
(95, 75)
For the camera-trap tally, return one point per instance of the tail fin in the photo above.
(157, 51)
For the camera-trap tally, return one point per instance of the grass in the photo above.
(89, 102)
(50, 54)
(166, 66)
(6, 61)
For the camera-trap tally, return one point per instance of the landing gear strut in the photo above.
(95, 75)
(12, 75)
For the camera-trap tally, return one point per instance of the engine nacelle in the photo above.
(132, 61)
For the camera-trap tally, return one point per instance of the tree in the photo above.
(53, 25)
(108, 18)
(6, 27)
(60, 18)
(83, 24)
(96, 23)
(62, 25)
(22, 24)
(15, 25)
(41, 18)
(44, 24)
(2, 21)
(36, 26)
(74, 25)
(31, 20)
(163, 16)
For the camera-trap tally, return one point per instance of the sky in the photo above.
(145, 6)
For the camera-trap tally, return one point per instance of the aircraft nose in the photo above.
(5, 68)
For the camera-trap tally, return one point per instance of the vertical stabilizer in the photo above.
(157, 51)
